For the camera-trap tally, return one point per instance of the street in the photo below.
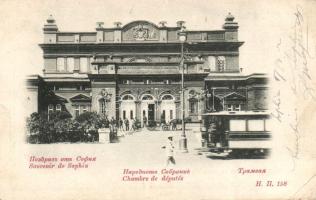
(141, 151)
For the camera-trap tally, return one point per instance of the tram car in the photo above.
(240, 132)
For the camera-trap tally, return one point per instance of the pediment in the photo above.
(234, 96)
(140, 31)
(80, 98)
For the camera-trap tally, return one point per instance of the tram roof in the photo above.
(237, 113)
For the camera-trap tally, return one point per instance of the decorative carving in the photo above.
(163, 23)
(117, 24)
(105, 95)
(141, 32)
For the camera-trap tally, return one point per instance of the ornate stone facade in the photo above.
(133, 71)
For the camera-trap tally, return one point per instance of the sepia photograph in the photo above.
(158, 99)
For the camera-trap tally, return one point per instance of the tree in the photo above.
(89, 123)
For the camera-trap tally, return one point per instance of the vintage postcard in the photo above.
(161, 99)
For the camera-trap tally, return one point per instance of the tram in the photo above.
(239, 132)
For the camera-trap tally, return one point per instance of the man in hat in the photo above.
(169, 150)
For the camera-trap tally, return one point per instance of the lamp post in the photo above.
(183, 139)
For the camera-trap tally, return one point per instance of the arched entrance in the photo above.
(128, 107)
(148, 108)
(168, 108)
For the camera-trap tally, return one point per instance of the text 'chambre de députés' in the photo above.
(165, 175)
(76, 162)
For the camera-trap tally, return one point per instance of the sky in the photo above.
(261, 24)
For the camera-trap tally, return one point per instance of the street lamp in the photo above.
(183, 140)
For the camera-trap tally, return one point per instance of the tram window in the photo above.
(256, 125)
(268, 125)
(237, 125)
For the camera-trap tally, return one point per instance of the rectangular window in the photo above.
(84, 64)
(221, 63)
(237, 125)
(230, 107)
(61, 64)
(70, 64)
(84, 108)
(77, 110)
(132, 116)
(58, 107)
(237, 107)
(125, 81)
(166, 82)
(256, 125)
(212, 63)
(171, 114)
(50, 108)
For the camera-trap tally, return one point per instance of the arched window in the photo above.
(193, 106)
(147, 97)
(167, 97)
(127, 97)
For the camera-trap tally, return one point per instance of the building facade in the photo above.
(134, 71)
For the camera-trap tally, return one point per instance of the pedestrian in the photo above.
(126, 124)
(169, 151)
(112, 124)
(144, 121)
(133, 125)
(173, 125)
(121, 124)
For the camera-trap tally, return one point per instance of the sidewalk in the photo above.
(146, 145)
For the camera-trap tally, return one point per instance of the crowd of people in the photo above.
(131, 125)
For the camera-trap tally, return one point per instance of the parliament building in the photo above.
(134, 70)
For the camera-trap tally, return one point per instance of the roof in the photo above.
(232, 95)
(238, 113)
(65, 78)
(80, 98)
(233, 76)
